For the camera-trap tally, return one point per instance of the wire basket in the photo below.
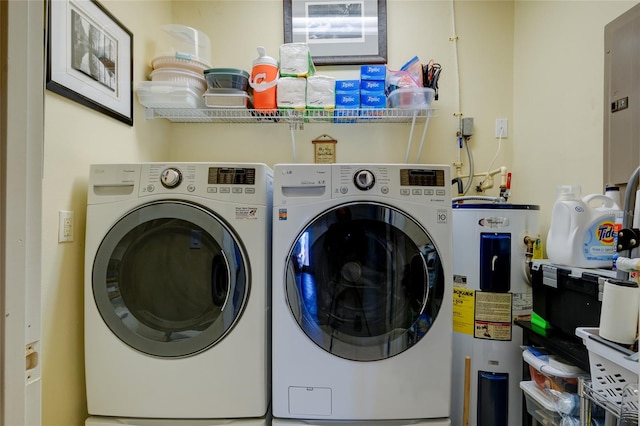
(611, 369)
(629, 406)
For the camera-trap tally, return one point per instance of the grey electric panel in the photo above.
(621, 100)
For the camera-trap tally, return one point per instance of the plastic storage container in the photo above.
(184, 47)
(175, 75)
(166, 94)
(227, 78)
(226, 99)
(553, 372)
(581, 234)
(411, 97)
(539, 405)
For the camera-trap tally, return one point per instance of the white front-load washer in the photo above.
(177, 272)
(361, 294)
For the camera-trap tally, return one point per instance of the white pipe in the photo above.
(454, 39)
(627, 265)
(413, 125)
(424, 134)
(293, 144)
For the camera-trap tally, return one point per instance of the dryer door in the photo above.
(364, 281)
(170, 279)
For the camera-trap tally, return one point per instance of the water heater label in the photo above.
(493, 316)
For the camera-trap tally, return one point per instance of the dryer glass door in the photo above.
(170, 279)
(364, 281)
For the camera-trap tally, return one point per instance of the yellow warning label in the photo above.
(463, 310)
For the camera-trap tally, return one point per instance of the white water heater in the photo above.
(492, 247)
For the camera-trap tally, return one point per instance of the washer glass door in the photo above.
(364, 281)
(170, 279)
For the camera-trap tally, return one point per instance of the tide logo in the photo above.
(606, 232)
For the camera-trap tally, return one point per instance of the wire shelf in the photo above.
(295, 118)
(626, 407)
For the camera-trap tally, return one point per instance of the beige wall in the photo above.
(419, 28)
(75, 137)
(536, 63)
(558, 92)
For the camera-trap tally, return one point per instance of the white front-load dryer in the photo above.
(361, 294)
(176, 290)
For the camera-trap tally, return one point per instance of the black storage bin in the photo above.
(567, 297)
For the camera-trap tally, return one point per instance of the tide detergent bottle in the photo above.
(582, 230)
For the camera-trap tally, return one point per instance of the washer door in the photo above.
(170, 279)
(364, 281)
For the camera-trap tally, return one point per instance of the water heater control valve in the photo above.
(171, 177)
(364, 179)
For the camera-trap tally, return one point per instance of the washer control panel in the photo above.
(305, 183)
(392, 180)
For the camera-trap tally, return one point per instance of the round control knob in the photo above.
(364, 180)
(171, 177)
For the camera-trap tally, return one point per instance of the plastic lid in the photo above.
(532, 390)
(554, 366)
(185, 42)
(263, 58)
(235, 71)
(569, 192)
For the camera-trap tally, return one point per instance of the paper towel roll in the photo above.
(619, 314)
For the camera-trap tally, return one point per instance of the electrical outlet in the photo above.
(502, 128)
(65, 226)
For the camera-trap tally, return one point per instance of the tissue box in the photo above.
(373, 72)
(321, 92)
(295, 60)
(351, 87)
(291, 93)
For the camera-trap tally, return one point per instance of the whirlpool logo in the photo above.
(494, 222)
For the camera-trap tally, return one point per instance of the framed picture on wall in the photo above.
(338, 32)
(90, 57)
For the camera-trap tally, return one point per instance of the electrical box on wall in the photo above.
(622, 84)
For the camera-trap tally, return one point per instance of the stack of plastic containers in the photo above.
(551, 394)
(177, 79)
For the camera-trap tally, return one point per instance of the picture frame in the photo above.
(90, 57)
(338, 32)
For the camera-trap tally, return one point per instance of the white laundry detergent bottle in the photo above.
(582, 230)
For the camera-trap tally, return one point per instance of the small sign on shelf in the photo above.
(324, 149)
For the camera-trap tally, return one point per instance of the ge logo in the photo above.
(442, 216)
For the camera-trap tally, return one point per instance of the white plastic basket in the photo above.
(611, 369)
